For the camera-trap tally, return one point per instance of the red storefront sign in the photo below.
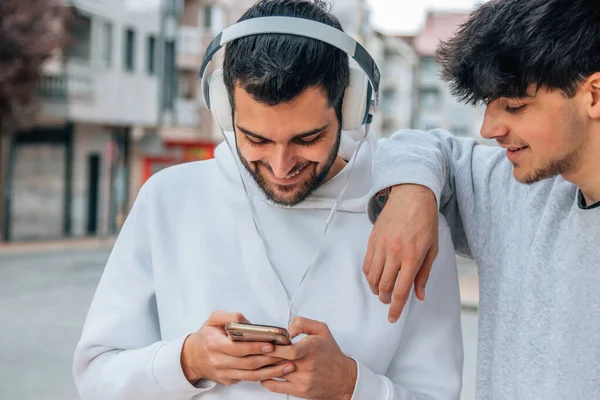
(177, 153)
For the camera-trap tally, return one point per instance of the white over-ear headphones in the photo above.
(357, 108)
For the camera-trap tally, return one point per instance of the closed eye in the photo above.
(254, 141)
(308, 140)
(515, 110)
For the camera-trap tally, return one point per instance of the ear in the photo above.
(593, 86)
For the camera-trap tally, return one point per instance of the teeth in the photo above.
(294, 174)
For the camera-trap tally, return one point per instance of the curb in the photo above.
(470, 307)
(56, 246)
(469, 292)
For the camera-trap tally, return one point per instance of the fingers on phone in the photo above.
(251, 363)
(261, 374)
(243, 349)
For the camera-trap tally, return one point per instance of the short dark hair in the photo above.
(276, 68)
(507, 45)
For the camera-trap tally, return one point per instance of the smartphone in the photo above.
(240, 332)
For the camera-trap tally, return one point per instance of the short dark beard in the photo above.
(309, 186)
(569, 161)
(553, 168)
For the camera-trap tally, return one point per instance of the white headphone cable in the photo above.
(328, 221)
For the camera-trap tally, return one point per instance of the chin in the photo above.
(529, 177)
(287, 200)
(523, 175)
(290, 196)
(519, 176)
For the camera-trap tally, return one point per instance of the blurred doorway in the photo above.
(94, 172)
(39, 184)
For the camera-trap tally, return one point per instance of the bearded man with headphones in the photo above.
(273, 231)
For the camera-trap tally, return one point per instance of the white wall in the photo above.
(349, 14)
(117, 96)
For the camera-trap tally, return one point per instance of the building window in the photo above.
(170, 81)
(429, 66)
(388, 99)
(151, 55)
(186, 87)
(387, 128)
(428, 124)
(460, 131)
(171, 7)
(212, 19)
(107, 38)
(429, 99)
(82, 35)
(129, 50)
(208, 17)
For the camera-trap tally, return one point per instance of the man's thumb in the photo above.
(301, 325)
(221, 318)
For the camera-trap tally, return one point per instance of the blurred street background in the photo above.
(98, 95)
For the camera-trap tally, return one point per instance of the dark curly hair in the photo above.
(276, 68)
(507, 45)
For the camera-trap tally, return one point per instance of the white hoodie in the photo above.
(189, 247)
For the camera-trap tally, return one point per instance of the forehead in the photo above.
(541, 97)
(308, 111)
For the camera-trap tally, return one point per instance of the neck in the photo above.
(591, 191)
(336, 168)
(587, 174)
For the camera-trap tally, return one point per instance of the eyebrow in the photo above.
(298, 136)
(527, 96)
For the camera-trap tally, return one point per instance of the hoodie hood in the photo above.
(357, 192)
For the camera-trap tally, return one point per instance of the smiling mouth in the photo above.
(293, 174)
(517, 149)
(289, 179)
(289, 176)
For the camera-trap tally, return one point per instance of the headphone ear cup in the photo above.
(220, 106)
(356, 99)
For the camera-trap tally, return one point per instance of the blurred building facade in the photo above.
(121, 103)
(412, 95)
(434, 105)
(354, 15)
(188, 131)
(398, 63)
(396, 60)
(74, 172)
(124, 101)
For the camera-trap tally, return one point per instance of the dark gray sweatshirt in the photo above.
(538, 252)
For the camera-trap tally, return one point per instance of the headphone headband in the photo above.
(293, 26)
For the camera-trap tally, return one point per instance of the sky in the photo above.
(405, 17)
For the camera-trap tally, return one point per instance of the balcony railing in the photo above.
(190, 42)
(72, 83)
(52, 87)
(187, 113)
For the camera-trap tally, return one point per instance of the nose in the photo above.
(282, 161)
(492, 126)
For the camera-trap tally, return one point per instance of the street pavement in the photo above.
(44, 296)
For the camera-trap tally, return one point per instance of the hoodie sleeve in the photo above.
(469, 180)
(428, 363)
(121, 355)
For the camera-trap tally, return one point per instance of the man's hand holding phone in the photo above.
(323, 371)
(210, 354)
